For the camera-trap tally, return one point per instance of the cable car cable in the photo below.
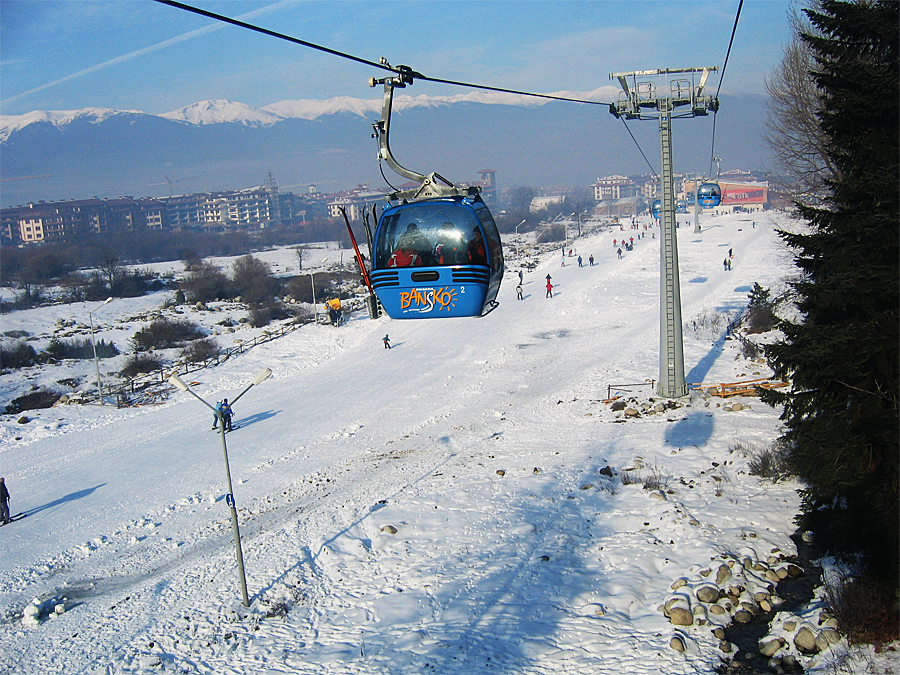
(400, 70)
(510, 91)
(640, 149)
(271, 33)
(712, 151)
(730, 43)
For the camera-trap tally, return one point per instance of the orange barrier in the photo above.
(745, 388)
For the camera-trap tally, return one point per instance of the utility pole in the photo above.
(643, 98)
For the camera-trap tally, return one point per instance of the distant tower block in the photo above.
(489, 186)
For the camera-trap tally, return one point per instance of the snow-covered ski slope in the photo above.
(473, 439)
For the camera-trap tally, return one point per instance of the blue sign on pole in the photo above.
(229, 499)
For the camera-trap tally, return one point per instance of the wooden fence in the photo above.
(154, 387)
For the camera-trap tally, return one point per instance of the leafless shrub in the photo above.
(200, 350)
(651, 478)
(770, 462)
(263, 315)
(864, 609)
(17, 355)
(707, 326)
(33, 400)
(164, 333)
(139, 364)
(656, 479)
(749, 349)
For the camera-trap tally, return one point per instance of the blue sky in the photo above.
(141, 55)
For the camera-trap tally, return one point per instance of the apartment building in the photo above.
(615, 187)
(221, 210)
(354, 202)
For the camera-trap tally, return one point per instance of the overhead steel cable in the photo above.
(640, 149)
(510, 91)
(400, 70)
(271, 33)
(730, 42)
(712, 149)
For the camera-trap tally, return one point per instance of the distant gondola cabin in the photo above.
(709, 195)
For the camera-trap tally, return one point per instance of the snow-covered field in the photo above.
(438, 507)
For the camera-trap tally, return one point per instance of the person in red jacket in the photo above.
(476, 250)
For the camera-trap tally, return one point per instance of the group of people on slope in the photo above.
(414, 249)
(223, 410)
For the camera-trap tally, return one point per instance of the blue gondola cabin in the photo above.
(437, 257)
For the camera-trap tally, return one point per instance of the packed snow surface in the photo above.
(436, 507)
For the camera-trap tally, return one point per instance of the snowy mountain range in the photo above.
(218, 111)
(221, 144)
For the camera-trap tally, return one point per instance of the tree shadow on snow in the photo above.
(72, 496)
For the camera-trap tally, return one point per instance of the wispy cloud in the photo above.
(190, 35)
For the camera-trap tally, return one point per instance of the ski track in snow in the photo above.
(545, 567)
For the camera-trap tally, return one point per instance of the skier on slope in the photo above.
(4, 502)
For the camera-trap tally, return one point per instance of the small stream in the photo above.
(796, 593)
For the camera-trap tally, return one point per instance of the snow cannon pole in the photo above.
(359, 259)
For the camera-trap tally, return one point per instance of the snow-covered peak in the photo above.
(221, 110)
(58, 118)
(310, 109)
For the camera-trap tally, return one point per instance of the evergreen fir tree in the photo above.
(759, 296)
(760, 315)
(841, 413)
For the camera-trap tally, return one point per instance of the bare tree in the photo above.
(252, 278)
(205, 282)
(111, 266)
(792, 128)
(300, 251)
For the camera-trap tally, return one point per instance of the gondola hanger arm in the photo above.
(430, 185)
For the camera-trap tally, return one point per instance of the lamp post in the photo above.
(177, 382)
(94, 345)
(519, 246)
(579, 221)
(312, 279)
